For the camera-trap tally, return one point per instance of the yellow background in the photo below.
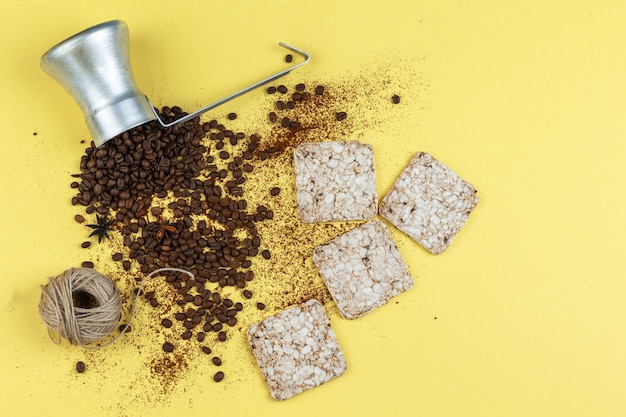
(525, 100)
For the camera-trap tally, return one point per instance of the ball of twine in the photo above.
(80, 305)
(84, 306)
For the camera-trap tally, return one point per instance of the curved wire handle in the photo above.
(306, 56)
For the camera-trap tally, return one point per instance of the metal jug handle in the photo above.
(190, 116)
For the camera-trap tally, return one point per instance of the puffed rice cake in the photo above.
(429, 202)
(296, 350)
(362, 269)
(335, 181)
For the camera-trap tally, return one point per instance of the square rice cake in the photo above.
(296, 350)
(335, 181)
(429, 202)
(362, 269)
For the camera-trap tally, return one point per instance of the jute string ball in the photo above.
(80, 305)
(84, 306)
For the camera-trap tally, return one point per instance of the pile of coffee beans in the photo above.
(177, 200)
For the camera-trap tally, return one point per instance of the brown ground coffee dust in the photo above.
(220, 203)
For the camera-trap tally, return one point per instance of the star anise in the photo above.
(163, 228)
(101, 228)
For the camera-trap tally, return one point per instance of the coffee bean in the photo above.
(395, 99)
(221, 336)
(288, 58)
(282, 89)
(79, 218)
(186, 335)
(123, 328)
(271, 90)
(168, 347)
(231, 321)
(117, 257)
(319, 90)
(247, 294)
(224, 155)
(266, 254)
(126, 265)
(167, 323)
(154, 302)
(341, 115)
(232, 116)
(200, 336)
(300, 87)
(206, 350)
(260, 306)
(87, 264)
(80, 367)
(280, 105)
(85, 245)
(216, 361)
(273, 117)
(218, 377)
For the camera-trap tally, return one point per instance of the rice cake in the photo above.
(296, 350)
(362, 268)
(429, 202)
(335, 181)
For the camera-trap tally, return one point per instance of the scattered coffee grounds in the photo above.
(395, 99)
(288, 58)
(177, 201)
(80, 367)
